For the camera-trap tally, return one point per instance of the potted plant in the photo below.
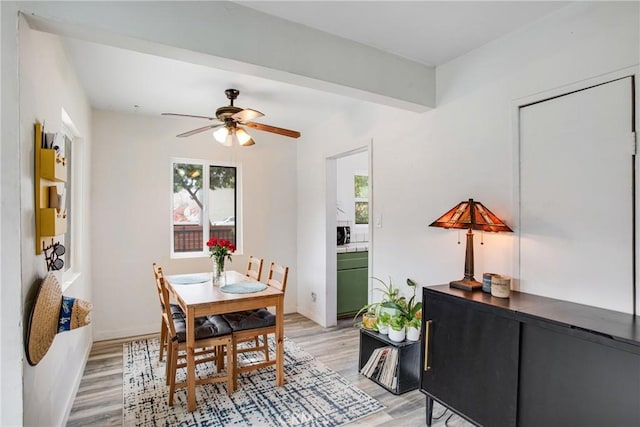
(383, 323)
(392, 302)
(413, 329)
(397, 328)
(413, 308)
(370, 319)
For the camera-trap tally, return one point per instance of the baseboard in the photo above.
(128, 332)
(310, 314)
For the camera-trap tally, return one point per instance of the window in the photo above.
(193, 207)
(73, 199)
(68, 199)
(361, 197)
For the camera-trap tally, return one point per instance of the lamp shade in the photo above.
(243, 137)
(221, 134)
(470, 215)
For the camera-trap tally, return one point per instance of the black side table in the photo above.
(408, 369)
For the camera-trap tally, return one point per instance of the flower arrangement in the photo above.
(219, 249)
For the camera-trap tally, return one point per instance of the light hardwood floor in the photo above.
(99, 399)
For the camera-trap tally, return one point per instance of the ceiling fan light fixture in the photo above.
(221, 134)
(228, 142)
(243, 137)
(226, 131)
(249, 142)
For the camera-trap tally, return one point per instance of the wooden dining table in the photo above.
(197, 296)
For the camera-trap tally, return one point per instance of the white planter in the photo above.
(383, 329)
(413, 334)
(396, 336)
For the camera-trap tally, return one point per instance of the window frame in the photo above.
(73, 265)
(361, 199)
(206, 164)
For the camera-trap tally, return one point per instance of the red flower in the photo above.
(220, 249)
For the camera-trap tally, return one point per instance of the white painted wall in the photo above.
(131, 197)
(11, 353)
(425, 164)
(47, 85)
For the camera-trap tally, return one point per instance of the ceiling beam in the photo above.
(231, 37)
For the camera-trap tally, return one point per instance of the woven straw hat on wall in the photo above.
(53, 313)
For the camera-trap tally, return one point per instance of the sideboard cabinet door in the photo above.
(471, 359)
(569, 378)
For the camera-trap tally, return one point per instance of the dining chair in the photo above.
(174, 309)
(248, 326)
(175, 312)
(212, 341)
(254, 268)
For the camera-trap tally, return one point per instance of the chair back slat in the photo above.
(278, 276)
(254, 268)
(157, 273)
(165, 300)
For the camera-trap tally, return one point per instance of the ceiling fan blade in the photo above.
(246, 114)
(202, 129)
(273, 129)
(188, 115)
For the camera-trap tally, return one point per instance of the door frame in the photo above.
(331, 309)
(518, 103)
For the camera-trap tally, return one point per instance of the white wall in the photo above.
(425, 164)
(11, 352)
(131, 196)
(47, 85)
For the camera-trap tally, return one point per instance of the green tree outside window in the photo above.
(361, 195)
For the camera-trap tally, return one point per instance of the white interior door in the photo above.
(576, 197)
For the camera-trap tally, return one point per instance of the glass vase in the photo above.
(218, 272)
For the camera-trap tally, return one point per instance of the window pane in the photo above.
(222, 202)
(187, 208)
(362, 212)
(361, 186)
(68, 188)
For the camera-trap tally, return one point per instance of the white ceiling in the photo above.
(427, 32)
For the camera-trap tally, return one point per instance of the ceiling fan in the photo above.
(231, 117)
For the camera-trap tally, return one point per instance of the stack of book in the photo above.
(382, 366)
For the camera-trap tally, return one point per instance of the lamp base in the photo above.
(466, 285)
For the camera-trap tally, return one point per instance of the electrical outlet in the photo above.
(313, 296)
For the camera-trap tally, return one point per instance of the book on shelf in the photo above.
(367, 369)
(389, 368)
(382, 366)
(375, 362)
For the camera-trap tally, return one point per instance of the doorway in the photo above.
(349, 203)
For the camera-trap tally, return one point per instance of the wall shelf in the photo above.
(53, 167)
(50, 168)
(53, 222)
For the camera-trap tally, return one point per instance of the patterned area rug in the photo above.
(313, 394)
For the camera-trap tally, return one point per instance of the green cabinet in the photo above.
(352, 281)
